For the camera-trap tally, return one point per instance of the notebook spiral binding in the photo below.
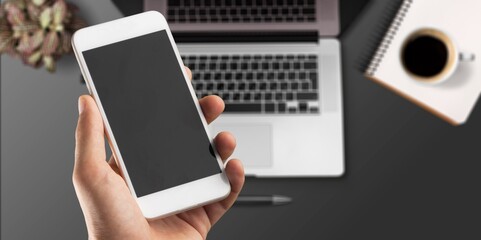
(390, 34)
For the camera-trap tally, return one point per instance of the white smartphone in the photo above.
(153, 121)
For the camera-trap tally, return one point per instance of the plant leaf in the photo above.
(14, 15)
(37, 39)
(59, 12)
(33, 11)
(23, 45)
(25, 27)
(38, 2)
(66, 42)
(49, 63)
(50, 43)
(6, 42)
(45, 17)
(34, 58)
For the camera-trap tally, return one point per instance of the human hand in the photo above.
(110, 210)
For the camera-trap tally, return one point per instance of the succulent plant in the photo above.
(38, 31)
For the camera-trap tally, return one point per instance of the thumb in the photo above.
(90, 145)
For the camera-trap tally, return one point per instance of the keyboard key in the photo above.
(268, 96)
(309, 11)
(209, 86)
(271, 76)
(294, 85)
(302, 75)
(241, 86)
(279, 96)
(225, 96)
(303, 107)
(310, 65)
(281, 107)
(263, 86)
(251, 107)
(260, 75)
(273, 86)
(236, 97)
(239, 76)
(305, 86)
(289, 96)
(275, 66)
(307, 96)
(269, 107)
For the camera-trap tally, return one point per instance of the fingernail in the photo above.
(81, 105)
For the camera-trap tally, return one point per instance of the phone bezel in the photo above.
(178, 198)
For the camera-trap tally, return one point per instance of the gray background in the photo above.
(409, 174)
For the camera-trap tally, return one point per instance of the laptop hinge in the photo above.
(196, 37)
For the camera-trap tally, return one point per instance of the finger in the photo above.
(225, 144)
(189, 73)
(113, 165)
(212, 106)
(90, 148)
(235, 173)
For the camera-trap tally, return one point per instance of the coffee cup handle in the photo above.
(467, 57)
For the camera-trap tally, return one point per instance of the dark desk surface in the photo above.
(409, 174)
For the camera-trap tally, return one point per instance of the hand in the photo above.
(110, 210)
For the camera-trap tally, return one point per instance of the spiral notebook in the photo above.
(454, 99)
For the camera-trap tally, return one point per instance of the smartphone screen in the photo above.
(151, 112)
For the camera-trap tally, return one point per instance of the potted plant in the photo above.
(38, 31)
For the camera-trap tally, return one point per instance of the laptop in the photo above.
(276, 64)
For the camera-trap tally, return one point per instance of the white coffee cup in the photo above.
(431, 56)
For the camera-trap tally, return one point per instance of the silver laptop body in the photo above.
(283, 99)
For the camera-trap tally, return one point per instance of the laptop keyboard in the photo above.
(269, 84)
(241, 11)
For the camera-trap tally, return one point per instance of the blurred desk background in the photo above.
(409, 174)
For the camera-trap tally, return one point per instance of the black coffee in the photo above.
(425, 56)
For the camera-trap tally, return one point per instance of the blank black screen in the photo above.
(151, 112)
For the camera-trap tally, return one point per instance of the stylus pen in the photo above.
(262, 200)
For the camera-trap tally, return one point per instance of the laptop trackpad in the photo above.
(254, 143)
